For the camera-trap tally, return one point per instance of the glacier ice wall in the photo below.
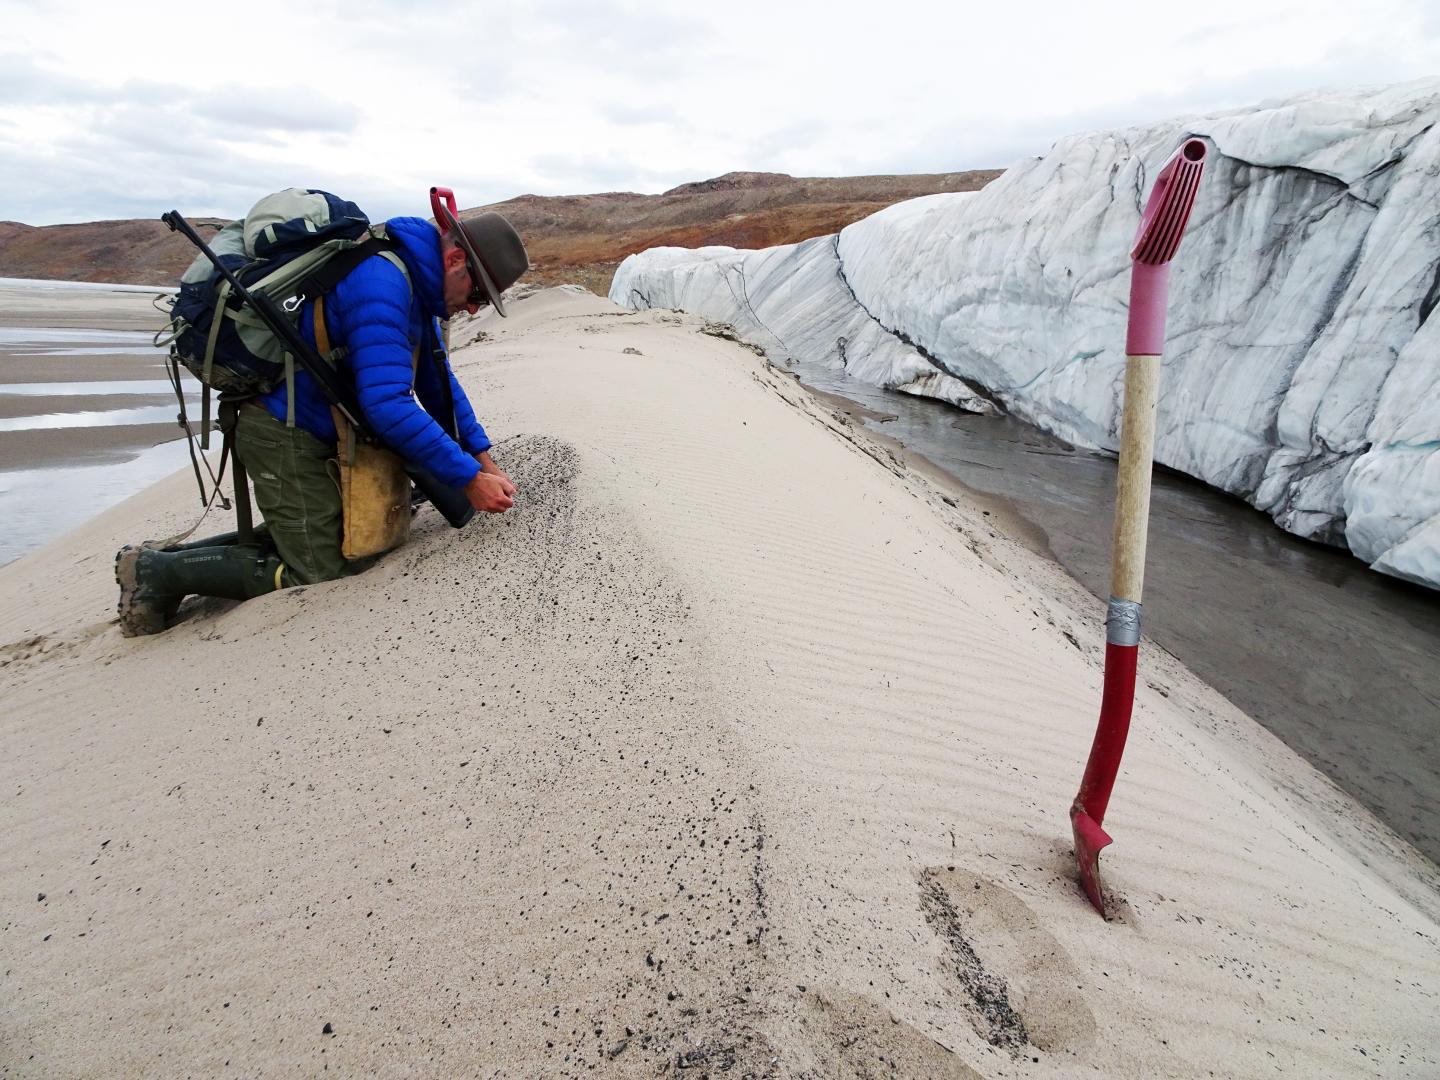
(1302, 366)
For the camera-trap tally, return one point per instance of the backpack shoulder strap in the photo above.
(335, 268)
(333, 272)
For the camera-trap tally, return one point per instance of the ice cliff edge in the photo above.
(1302, 367)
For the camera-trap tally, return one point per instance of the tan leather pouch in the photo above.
(375, 494)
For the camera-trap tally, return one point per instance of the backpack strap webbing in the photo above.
(244, 521)
(222, 297)
(316, 285)
(334, 270)
(440, 357)
(344, 433)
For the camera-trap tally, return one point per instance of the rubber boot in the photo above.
(152, 583)
(259, 535)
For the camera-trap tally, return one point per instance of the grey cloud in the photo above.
(24, 82)
(479, 58)
(234, 108)
(1258, 24)
(602, 26)
(126, 132)
(102, 175)
(645, 44)
(122, 171)
(145, 93)
(967, 145)
(635, 115)
(440, 19)
(292, 109)
(568, 174)
(768, 147)
(73, 187)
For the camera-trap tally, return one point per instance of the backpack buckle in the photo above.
(292, 305)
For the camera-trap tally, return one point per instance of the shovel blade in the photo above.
(1090, 838)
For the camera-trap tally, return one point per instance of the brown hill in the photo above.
(139, 252)
(582, 238)
(571, 238)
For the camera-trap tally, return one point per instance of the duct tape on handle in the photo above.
(1122, 622)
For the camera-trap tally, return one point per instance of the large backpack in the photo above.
(294, 246)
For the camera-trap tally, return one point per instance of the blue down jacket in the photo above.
(374, 313)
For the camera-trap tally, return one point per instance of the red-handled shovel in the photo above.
(442, 204)
(1156, 241)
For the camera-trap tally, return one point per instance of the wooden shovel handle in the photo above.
(1132, 497)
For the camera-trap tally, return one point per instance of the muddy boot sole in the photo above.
(139, 615)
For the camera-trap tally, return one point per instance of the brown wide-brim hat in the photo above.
(495, 253)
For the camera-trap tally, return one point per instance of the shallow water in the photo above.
(62, 388)
(148, 414)
(46, 341)
(56, 500)
(1334, 658)
(80, 286)
(65, 389)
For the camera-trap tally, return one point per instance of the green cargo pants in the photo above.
(296, 492)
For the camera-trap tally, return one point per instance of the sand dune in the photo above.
(738, 748)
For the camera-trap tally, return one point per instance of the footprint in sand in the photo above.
(1019, 984)
(845, 1035)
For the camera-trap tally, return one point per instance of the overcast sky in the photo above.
(129, 109)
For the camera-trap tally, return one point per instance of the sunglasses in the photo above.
(478, 295)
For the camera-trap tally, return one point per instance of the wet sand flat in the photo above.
(81, 306)
(62, 447)
(19, 406)
(29, 367)
(736, 747)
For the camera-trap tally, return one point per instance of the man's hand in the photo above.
(489, 493)
(489, 466)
